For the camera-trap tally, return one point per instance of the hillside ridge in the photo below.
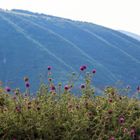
(39, 40)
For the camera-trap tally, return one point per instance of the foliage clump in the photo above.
(54, 113)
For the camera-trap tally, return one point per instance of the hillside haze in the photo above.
(29, 42)
(137, 37)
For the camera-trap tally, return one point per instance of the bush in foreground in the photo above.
(56, 114)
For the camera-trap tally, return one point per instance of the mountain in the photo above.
(137, 37)
(29, 42)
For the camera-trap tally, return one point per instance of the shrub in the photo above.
(54, 113)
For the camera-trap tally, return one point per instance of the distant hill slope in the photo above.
(131, 34)
(29, 42)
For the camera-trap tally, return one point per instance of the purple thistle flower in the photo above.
(27, 84)
(26, 79)
(112, 138)
(110, 111)
(66, 87)
(94, 71)
(82, 86)
(18, 109)
(138, 88)
(132, 132)
(50, 79)
(110, 100)
(82, 68)
(121, 120)
(49, 67)
(52, 88)
(8, 89)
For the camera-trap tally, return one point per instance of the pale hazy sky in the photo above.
(117, 14)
